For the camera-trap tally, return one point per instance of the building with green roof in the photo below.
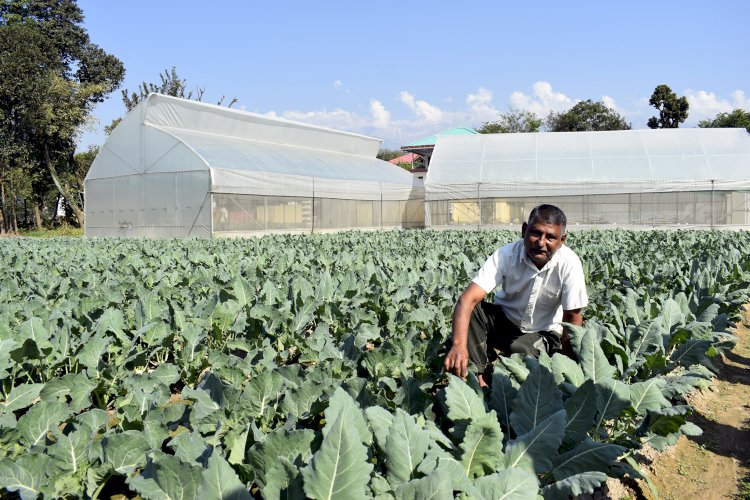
(424, 146)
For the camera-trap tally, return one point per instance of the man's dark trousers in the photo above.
(490, 331)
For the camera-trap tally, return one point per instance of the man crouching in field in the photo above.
(541, 285)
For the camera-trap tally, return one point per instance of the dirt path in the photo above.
(716, 464)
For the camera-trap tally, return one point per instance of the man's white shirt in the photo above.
(534, 299)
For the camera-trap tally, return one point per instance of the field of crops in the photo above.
(311, 366)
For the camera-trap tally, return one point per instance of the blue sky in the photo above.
(403, 70)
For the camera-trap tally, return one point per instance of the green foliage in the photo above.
(166, 477)
(339, 469)
(673, 110)
(405, 447)
(83, 163)
(480, 453)
(57, 232)
(739, 118)
(744, 489)
(51, 76)
(512, 122)
(586, 116)
(171, 84)
(293, 366)
(386, 154)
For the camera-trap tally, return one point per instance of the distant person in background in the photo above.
(223, 216)
(541, 285)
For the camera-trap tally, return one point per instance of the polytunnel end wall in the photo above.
(172, 204)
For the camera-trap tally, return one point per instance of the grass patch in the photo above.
(52, 233)
(744, 489)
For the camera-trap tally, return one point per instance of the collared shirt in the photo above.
(534, 299)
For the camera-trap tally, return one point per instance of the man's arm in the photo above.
(574, 317)
(457, 361)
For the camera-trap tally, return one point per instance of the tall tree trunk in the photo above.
(38, 215)
(3, 206)
(4, 209)
(64, 191)
(13, 221)
(3, 219)
(13, 214)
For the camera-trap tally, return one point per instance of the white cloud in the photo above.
(705, 105)
(421, 118)
(610, 103)
(339, 119)
(639, 113)
(542, 100)
(480, 106)
(423, 109)
(381, 117)
(634, 115)
(739, 100)
(337, 84)
(424, 118)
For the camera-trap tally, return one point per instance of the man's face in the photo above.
(541, 241)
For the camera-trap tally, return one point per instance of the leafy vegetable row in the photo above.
(311, 366)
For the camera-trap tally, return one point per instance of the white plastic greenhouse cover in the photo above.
(185, 151)
(575, 163)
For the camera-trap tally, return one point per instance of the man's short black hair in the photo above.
(548, 214)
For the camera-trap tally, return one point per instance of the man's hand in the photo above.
(457, 361)
(574, 317)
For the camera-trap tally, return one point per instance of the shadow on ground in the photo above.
(723, 439)
(738, 367)
(731, 437)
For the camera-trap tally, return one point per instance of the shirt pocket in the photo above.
(550, 297)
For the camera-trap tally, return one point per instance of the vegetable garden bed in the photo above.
(293, 366)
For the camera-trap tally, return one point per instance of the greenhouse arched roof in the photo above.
(589, 162)
(247, 153)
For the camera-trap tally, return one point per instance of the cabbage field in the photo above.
(311, 366)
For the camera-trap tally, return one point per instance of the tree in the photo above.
(83, 163)
(51, 76)
(739, 118)
(386, 154)
(673, 110)
(586, 115)
(24, 68)
(171, 84)
(512, 122)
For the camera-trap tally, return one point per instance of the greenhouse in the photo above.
(174, 168)
(669, 177)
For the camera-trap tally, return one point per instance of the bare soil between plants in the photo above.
(715, 465)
